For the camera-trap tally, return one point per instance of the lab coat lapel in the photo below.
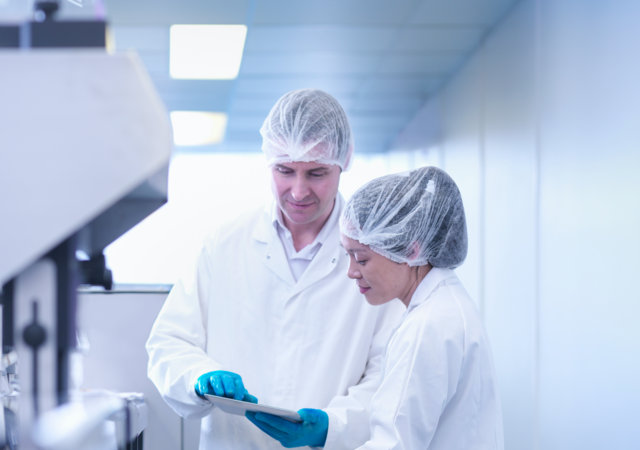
(325, 262)
(274, 256)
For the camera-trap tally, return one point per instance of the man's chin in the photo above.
(301, 217)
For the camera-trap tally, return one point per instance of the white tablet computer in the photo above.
(237, 407)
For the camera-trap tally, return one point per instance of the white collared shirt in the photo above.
(300, 260)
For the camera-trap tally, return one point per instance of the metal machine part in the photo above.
(45, 32)
(93, 419)
(89, 144)
(100, 126)
(94, 272)
(9, 36)
(137, 419)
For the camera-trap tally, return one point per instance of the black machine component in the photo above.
(95, 273)
(64, 257)
(9, 36)
(46, 32)
(46, 10)
(34, 336)
(137, 443)
(7, 316)
(50, 34)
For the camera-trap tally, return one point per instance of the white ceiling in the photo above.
(380, 58)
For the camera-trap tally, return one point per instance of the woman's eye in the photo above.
(316, 175)
(361, 262)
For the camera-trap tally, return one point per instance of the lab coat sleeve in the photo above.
(423, 368)
(349, 414)
(177, 344)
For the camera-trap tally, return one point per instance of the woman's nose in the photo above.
(352, 271)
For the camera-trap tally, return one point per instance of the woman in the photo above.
(405, 233)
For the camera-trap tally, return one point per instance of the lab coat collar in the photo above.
(428, 285)
(273, 255)
(275, 258)
(263, 229)
(261, 232)
(328, 257)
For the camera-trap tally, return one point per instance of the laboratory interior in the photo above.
(131, 130)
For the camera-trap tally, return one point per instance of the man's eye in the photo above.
(317, 175)
(284, 171)
(361, 262)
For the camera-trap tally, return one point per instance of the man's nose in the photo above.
(300, 189)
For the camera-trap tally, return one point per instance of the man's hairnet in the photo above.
(307, 125)
(413, 217)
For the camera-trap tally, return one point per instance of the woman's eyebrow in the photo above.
(343, 248)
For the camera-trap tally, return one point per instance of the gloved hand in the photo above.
(311, 432)
(223, 384)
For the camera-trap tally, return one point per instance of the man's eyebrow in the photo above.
(318, 169)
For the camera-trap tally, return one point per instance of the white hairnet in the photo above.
(401, 214)
(307, 125)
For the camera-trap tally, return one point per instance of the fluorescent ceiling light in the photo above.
(206, 52)
(198, 128)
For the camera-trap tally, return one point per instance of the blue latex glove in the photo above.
(311, 432)
(223, 384)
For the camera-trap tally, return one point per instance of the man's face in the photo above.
(305, 190)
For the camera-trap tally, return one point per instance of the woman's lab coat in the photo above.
(316, 343)
(439, 387)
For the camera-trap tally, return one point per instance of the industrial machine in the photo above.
(85, 144)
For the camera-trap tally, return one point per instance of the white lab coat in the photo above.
(439, 386)
(316, 343)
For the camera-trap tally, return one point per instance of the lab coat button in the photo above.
(268, 256)
(333, 261)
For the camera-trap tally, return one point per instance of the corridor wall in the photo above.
(540, 130)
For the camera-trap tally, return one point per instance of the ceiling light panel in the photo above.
(206, 52)
(192, 128)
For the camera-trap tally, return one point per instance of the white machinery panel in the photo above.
(79, 129)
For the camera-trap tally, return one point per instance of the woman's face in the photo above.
(379, 279)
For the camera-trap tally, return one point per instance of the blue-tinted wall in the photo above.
(541, 131)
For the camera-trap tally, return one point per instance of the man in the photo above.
(267, 311)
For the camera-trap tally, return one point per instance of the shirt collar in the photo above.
(428, 285)
(278, 221)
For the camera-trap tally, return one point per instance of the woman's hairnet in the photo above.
(413, 217)
(307, 125)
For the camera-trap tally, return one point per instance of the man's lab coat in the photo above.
(316, 343)
(439, 388)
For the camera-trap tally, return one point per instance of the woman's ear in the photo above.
(414, 251)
